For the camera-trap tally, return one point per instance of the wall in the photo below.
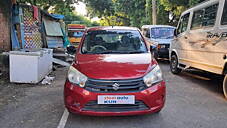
(5, 12)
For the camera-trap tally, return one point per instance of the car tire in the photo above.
(174, 64)
(225, 86)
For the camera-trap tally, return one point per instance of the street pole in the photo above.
(154, 12)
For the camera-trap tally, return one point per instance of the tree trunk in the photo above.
(154, 12)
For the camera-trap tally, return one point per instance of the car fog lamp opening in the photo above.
(153, 77)
(76, 77)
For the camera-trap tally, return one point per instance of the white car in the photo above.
(201, 40)
(160, 36)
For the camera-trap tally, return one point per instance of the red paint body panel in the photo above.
(153, 97)
(119, 66)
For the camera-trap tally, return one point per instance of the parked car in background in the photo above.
(114, 74)
(75, 33)
(160, 37)
(201, 40)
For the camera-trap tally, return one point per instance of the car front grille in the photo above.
(115, 86)
(93, 106)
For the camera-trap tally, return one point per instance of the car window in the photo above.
(113, 41)
(162, 33)
(183, 25)
(205, 17)
(224, 15)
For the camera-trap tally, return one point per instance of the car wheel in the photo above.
(225, 86)
(174, 64)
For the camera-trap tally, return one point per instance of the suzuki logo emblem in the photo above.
(116, 86)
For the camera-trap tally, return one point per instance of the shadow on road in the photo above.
(209, 81)
(112, 122)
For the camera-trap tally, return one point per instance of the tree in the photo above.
(135, 10)
(54, 4)
(128, 12)
(176, 7)
(63, 7)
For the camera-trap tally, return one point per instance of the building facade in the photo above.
(5, 17)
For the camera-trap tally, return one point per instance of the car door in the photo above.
(179, 43)
(201, 48)
(221, 41)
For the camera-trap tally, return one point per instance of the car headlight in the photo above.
(76, 77)
(153, 77)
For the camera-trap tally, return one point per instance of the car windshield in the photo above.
(113, 42)
(162, 33)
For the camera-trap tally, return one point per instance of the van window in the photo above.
(183, 25)
(205, 17)
(224, 15)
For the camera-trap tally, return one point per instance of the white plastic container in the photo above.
(30, 66)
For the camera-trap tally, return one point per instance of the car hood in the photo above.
(114, 67)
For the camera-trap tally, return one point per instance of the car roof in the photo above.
(111, 28)
(154, 26)
(199, 6)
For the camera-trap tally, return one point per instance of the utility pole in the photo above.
(154, 12)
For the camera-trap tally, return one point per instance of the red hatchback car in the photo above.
(114, 74)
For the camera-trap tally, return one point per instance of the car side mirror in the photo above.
(152, 48)
(71, 50)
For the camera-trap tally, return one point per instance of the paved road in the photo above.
(192, 102)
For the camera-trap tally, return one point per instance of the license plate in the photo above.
(116, 99)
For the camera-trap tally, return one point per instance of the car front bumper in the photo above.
(77, 98)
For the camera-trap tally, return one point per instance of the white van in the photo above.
(201, 40)
(160, 36)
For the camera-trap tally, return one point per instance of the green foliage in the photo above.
(135, 10)
(47, 4)
(176, 7)
(78, 19)
(119, 12)
(63, 7)
(99, 7)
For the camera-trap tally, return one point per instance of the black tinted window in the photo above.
(183, 24)
(205, 17)
(224, 15)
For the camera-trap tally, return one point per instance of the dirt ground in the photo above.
(32, 98)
